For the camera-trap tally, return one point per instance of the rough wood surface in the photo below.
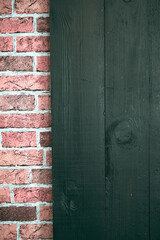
(106, 119)
(154, 120)
(78, 119)
(127, 131)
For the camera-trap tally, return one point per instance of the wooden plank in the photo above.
(154, 120)
(77, 56)
(127, 112)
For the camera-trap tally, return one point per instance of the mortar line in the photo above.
(30, 175)
(26, 34)
(11, 189)
(47, 129)
(14, 47)
(26, 148)
(44, 158)
(29, 204)
(35, 93)
(20, 15)
(26, 222)
(27, 185)
(18, 231)
(38, 138)
(23, 54)
(13, 8)
(35, 24)
(0, 140)
(25, 167)
(19, 112)
(17, 73)
(38, 212)
(36, 102)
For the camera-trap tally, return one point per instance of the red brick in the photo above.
(43, 24)
(29, 6)
(17, 102)
(6, 44)
(24, 82)
(42, 176)
(49, 157)
(30, 120)
(5, 195)
(17, 213)
(21, 157)
(33, 44)
(8, 232)
(43, 64)
(46, 213)
(44, 102)
(46, 139)
(36, 231)
(19, 139)
(15, 176)
(16, 25)
(33, 194)
(5, 7)
(18, 63)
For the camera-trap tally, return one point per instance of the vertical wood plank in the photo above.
(127, 112)
(77, 56)
(155, 120)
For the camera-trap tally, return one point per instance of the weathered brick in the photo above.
(16, 25)
(21, 157)
(5, 7)
(33, 44)
(8, 231)
(46, 213)
(43, 24)
(33, 194)
(44, 102)
(19, 139)
(17, 213)
(5, 195)
(29, 6)
(24, 82)
(17, 102)
(46, 139)
(6, 44)
(24, 102)
(16, 63)
(43, 63)
(41, 176)
(36, 231)
(14, 176)
(49, 157)
(30, 120)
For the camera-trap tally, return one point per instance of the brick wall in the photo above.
(25, 121)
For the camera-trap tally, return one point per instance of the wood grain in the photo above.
(77, 58)
(127, 112)
(154, 25)
(105, 72)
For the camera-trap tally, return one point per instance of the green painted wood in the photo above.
(154, 120)
(77, 56)
(105, 111)
(127, 115)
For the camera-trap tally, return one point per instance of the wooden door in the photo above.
(105, 59)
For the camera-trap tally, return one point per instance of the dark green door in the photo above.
(105, 58)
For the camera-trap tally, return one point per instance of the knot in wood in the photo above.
(123, 132)
(70, 197)
(127, 1)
